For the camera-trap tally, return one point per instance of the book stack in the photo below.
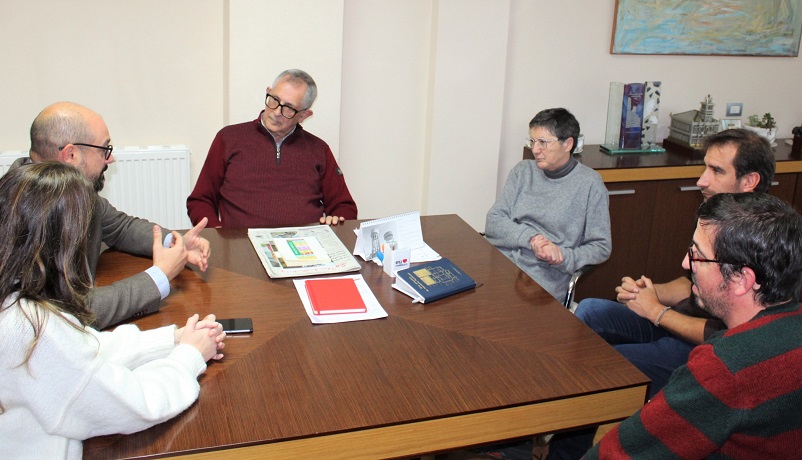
(632, 113)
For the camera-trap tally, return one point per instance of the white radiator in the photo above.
(148, 182)
(8, 157)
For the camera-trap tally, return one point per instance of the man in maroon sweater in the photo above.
(270, 172)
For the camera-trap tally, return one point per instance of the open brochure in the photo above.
(401, 231)
(373, 308)
(268, 243)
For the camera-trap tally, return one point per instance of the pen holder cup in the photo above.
(395, 260)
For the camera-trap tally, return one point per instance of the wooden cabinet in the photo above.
(798, 194)
(676, 202)
(786, 186)
(652, 224)
(631, 211)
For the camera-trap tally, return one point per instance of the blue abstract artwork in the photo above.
(708, 27)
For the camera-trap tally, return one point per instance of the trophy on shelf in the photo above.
(632, 111)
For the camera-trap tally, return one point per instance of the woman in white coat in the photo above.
(63, 381)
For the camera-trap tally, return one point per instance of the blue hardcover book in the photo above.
(432, 281)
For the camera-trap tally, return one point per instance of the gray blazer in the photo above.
(134, 296)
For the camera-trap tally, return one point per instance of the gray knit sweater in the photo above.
(572, 212)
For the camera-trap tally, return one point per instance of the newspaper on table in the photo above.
(262, 240)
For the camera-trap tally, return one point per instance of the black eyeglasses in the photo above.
(107, 150)
(286, 111)
(692, 259)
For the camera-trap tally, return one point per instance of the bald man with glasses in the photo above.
(73, 134)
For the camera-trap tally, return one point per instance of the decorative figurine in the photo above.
(688, 128)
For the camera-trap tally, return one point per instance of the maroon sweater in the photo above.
(247, 182)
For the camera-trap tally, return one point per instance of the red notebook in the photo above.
(334, 296)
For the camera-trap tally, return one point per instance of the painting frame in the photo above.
(707, 28)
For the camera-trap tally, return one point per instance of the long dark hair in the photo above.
(45, 210)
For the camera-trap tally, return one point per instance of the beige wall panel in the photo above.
(269, 36)
(152, 69)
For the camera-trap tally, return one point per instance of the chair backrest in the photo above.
(572, 283)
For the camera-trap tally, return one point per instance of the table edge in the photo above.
(429, 436)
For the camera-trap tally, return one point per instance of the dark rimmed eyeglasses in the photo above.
(286, 111)
(107, 150)
(692, 259)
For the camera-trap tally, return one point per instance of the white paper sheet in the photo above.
(375, 310)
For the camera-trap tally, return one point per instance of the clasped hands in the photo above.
(640, 296)
(189, 248)
(545, 250)
(206, 336)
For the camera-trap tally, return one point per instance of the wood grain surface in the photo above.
(501, 361)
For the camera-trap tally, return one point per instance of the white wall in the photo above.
(416, 92)
(384, 109)
(269, 36)
(425, 102)
(467, 92)
(152, 69)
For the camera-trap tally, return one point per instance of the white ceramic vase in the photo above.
(770, 134)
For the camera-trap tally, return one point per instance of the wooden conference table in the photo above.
(502, 361)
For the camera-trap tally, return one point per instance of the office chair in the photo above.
(569, 295)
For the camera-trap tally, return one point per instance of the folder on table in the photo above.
(334, 296)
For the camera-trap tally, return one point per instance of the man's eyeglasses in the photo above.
(107, 150)
(540, 142)
(692, 259)
(286, 111)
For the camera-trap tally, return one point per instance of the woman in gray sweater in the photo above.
(553, 216)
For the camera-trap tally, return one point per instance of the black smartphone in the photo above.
(236, 325)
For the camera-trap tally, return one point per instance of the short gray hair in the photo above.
(299, 76)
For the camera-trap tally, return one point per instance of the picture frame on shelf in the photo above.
(735, 109)
(730, 123)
